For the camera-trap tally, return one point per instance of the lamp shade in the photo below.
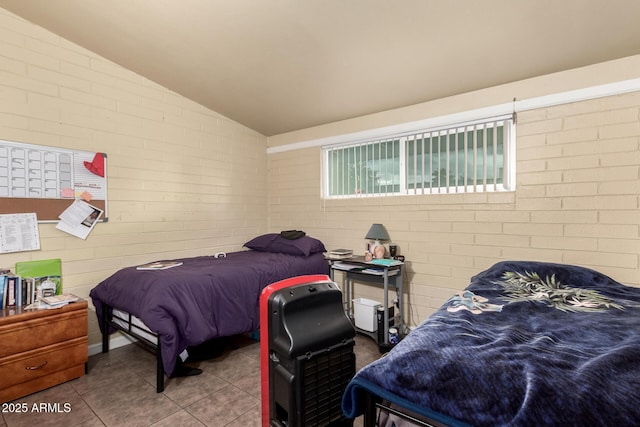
(377, 232)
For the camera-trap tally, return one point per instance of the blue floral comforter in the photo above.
(525, 344)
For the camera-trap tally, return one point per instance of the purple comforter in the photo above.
(204, 298)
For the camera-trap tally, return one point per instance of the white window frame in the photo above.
(509, 162)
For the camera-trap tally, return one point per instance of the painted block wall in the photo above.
(182, 180)
(577, 201)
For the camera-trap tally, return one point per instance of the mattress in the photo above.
(129, 322)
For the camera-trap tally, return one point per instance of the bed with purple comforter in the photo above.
(202, 299)
(525, 344)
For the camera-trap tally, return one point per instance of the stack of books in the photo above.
(340, 253)
(56, 301)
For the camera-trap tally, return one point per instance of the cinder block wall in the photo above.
(182, 180)
(577, 201)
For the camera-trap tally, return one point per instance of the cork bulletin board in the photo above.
(46, 180)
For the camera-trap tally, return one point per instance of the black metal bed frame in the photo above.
(134, 331)
(374, 404)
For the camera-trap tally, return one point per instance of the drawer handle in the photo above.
(33, 368)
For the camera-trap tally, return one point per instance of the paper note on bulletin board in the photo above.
(19, 232)
(46, 180)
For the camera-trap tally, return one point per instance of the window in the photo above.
(471, 157)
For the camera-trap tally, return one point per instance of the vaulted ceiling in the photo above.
(283, 65)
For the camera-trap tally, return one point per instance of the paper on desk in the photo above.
(345, 266)
(374, 271)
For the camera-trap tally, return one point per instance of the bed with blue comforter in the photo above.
(525, 344)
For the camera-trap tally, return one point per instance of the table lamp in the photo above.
(377, 232)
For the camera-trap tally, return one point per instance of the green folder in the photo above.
(41, 270)
(385, 262)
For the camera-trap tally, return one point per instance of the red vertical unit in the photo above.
(306, 353)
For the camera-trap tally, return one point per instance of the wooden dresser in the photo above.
(41, 348)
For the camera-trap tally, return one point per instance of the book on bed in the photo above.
(159, 265)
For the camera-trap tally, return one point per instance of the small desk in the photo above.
(389, 276)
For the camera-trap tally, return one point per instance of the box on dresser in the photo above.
(41, 348)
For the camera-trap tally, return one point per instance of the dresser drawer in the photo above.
(40, 328)
(41, 348)
(16, 391)
(29, 365)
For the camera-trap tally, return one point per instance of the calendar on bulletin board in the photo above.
(46, 180)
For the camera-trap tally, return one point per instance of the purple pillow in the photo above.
(275, 243)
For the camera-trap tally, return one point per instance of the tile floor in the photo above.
(119, 390)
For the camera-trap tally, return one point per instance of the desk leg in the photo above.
(346, 285)
(385, 329)
(401, 328)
